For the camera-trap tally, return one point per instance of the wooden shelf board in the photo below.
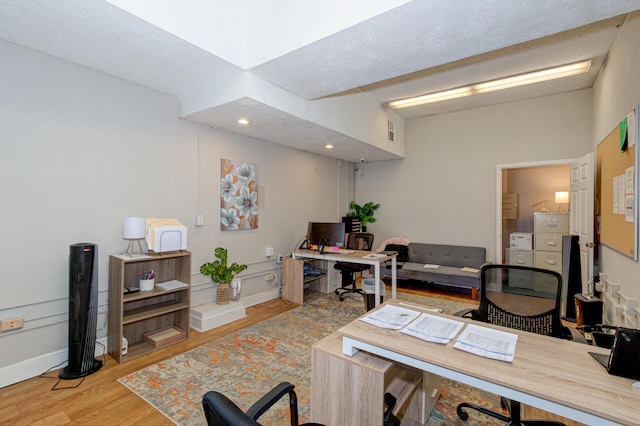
(151, 311)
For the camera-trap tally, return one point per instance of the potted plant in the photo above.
(221, 273)
(365, 213)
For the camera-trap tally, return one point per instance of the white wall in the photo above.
(616, 90)
(81, 150)
(444, 190)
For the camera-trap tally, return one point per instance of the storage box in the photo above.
(164, 336)
(521, 240)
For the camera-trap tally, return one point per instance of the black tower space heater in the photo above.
(571, 275)
(83, 311)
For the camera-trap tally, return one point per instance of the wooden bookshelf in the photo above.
(138, 314)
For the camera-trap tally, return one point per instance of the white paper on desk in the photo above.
(487, 342)
(433, 328)
(374, 256)
(390, 317)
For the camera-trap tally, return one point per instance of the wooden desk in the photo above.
(357, 256)
(554, 375)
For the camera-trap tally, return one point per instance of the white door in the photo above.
(581, 213)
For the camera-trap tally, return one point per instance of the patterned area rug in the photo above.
(247, 364)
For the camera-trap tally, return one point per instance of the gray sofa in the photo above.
(450, 259)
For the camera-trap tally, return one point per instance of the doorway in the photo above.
(533, 186)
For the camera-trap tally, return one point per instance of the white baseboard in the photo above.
(34, 367)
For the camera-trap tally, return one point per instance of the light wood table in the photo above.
(356, 256)
(555, 375)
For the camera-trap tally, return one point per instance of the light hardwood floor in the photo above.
(100, 399)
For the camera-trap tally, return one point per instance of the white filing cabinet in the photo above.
(548, 229)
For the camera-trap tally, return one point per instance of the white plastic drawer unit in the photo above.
(548, 241)
(521, 240)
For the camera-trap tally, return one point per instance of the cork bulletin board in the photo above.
(617, 188)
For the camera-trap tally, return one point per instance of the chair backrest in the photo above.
(360, 241)
(403, 251)
(521, 297)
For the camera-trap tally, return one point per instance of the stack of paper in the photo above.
(171, 285)
(390, 317)
(165, 234)
(487, 342)
(374, 256)
(433, 328)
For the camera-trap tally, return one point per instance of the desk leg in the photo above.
(376, 275)
(394, 277)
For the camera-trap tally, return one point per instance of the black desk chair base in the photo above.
(355, 241)
(514, 418)
(347, 271)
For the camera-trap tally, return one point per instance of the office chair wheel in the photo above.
(337, 292)
(341, 298)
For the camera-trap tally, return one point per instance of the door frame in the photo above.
(499, 169)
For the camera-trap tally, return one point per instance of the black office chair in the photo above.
(523, 298)
(221, 411)
(355, 241)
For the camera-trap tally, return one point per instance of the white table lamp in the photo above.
(134, 231)
(562, 197)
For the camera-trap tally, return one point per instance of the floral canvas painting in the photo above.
(238, 195)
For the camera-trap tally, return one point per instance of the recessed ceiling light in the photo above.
(328, 146)
(493, 85)
(243, 121)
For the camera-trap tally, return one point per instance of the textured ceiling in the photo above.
(331, 88)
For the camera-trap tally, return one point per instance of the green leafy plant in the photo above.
(218, 270)
(365, 212)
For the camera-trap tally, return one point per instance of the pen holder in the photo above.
(147, 285)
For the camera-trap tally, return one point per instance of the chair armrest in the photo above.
(576, 336)
(270, 398)
(465, 313)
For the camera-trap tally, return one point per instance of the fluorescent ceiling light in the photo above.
(533, 77)
(491, 86)
(243, 121)
(434, 97)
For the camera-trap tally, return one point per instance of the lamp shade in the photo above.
(134, 228)
(562, 197)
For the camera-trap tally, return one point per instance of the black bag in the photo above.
(403, 251)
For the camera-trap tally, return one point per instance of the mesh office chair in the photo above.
(355, 241)
(221, 411)
(522, 298)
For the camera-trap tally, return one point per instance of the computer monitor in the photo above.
(328, 234)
